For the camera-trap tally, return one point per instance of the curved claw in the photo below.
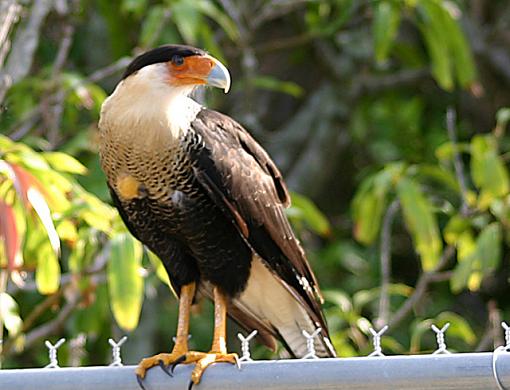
(139, 379)
(190, 385)
(165, 368)
(177, 362)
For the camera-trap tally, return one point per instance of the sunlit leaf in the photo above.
(456, 226)
(43, 211)
(488, 170)
(125, 283)
(9, 313)
(421, 222)
(303, 208)
(488, 247)
(476, 258)
(64, 163)
(386, 23)
(47, 274)
(160, 269)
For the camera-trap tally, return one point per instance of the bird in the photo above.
(197, 190)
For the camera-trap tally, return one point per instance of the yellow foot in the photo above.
(206, 359)
(168, 361)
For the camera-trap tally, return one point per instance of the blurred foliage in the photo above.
(354, 116)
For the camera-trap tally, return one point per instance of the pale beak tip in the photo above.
(219, 76)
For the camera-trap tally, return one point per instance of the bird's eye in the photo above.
(177, 60)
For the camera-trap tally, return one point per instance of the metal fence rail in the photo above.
(448, 371)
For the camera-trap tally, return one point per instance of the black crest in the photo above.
(160, 54)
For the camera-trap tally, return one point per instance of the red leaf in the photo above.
(23, 180)
(9, 235)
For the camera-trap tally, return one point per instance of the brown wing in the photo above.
(244, 181)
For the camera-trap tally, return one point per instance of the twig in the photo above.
(384, 300)
(40, 309)
(47, 329)
(421, 286)
(457, 161)
(109, 70)
(492, 334)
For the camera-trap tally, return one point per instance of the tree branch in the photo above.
(384, 299)
(421, 287)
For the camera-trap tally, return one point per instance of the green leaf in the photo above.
(160, 269)
(125, 283)
(187, 19)
(152, 25)
(370, 202)
(488, 170)
(209, 9)
(304, 209)
(477, 259)
(461, 54)
(273, 84)
(488, 247)
(64, 163)
(421, 222)
(432, 27)
(9, 313)
(456, 226)
(47, 274)
(459, 327)
(386, 23)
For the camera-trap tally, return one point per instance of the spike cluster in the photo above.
(441, 345)
(116, 359)
(377, 340)
(52, 352)
(245, 346)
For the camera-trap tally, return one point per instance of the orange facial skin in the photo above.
(194, 70)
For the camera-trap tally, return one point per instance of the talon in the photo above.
(190, 385)
(179, 360)
(139, 379)
(165, 368)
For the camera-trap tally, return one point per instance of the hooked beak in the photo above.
(219, 76)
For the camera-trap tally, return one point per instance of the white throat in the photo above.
(144, 104)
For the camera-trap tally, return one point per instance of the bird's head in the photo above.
(180, 67)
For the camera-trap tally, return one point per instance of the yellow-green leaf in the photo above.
(9, 313)
(455, 227)
(64, 163)
(47, 274)
(125, 283)
(303, 208)
(432, 27)
(421, 222)
(160, 270)
(386, 22)
(370, 201)
(488, 170)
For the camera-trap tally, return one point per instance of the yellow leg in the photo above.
(180, 353)
(181, 340)
(218, 352)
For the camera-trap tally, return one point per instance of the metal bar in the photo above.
(455, 371)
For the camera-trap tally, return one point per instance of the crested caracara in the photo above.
(195, 188)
